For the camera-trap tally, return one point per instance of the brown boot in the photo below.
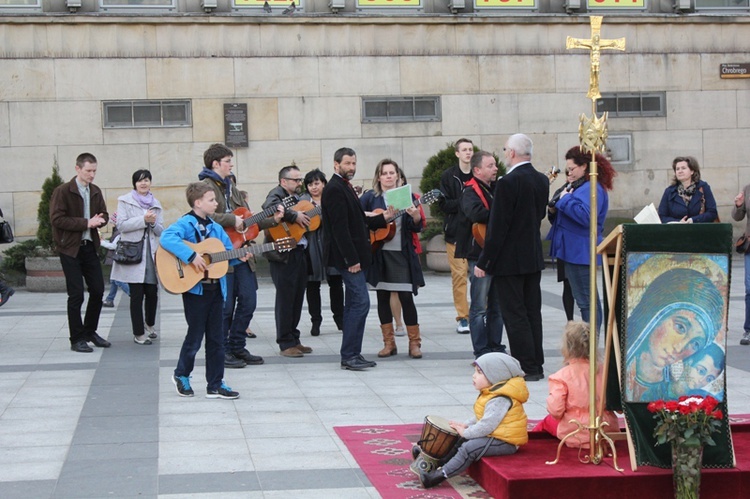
(414, 341)
(388, 340)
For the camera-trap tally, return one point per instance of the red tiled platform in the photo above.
(525, 474)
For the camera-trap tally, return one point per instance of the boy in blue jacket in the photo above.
(204, 302)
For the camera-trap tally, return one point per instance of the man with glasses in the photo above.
(289, 269)
(242, 284)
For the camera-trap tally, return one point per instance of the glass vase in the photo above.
(686, 470)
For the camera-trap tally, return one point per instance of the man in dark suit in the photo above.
(346, 246)
(512, 253)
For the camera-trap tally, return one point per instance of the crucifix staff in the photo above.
(595, 44)
(593, 136)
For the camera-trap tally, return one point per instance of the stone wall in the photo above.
(303, 79)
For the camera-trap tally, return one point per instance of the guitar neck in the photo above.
(416, 202)
(222, 256)
(250, 221)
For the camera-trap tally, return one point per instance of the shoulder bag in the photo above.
(129, 252)
(6, 233)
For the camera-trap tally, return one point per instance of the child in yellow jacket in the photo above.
(498, 427)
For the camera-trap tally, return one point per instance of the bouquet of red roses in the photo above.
(690, 420)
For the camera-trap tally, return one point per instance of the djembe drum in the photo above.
(437, 440)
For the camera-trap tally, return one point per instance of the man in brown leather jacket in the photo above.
(76, 211)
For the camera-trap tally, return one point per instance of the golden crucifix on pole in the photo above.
(593, 138)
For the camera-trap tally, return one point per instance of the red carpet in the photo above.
(525, 474)
(384, 454)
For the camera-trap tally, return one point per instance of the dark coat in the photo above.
(370, 202)
(475, 212)
(673, 208)
(455, 223)
(66, 216)
(514, 245)
(346, 236)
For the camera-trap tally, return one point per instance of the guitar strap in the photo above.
(478, 189)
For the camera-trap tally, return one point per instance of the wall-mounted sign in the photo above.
(614, 4)
(734, 70)
(235, 125)
(487, 4)
(389, 3)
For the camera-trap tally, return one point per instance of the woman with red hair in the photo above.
(571, 215)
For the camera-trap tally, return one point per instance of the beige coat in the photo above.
(131, 224)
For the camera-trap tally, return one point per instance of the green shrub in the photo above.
(14, 258)
(436, 165)
(44, 230)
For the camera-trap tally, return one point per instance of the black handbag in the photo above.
(6, 233)
(129, 252)
(742, 246)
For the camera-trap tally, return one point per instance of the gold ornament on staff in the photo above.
(592, 134)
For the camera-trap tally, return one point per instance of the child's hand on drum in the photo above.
(459, 427)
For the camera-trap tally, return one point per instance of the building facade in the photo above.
(150, 84)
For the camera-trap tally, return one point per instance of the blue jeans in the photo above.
(747, 292)
(113, 289)
(578, 276)
(356, 308)
(242, 288)
(485, 319)
(203, 316)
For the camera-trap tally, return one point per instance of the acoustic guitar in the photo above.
(296, 231)
(381, 236)
(479, 231)
(250, 228)
(178, 277)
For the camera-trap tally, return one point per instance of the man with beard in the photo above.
(346, 246)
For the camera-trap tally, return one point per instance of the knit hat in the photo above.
(498, 367)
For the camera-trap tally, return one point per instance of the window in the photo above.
(400, 109)
(722, 4)
(147, 114)
(137, 4)
(621, 105)
(4, 4)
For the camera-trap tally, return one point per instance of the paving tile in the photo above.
(110, 424)
(209, 484)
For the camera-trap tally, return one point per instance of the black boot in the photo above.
(315, 330)
(415, 451)
(431, 478)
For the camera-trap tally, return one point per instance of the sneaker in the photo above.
(745, 338)
(250, 359)
(108, 303)
(462, 326)
(400, 331)
(141, 340)
(151, 331)
(233, 362)
(223, 392)
(182, 383)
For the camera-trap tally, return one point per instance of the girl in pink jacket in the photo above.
(569, 390)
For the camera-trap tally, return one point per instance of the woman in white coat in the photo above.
(140, 216)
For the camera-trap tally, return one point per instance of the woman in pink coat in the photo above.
(569, 390)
